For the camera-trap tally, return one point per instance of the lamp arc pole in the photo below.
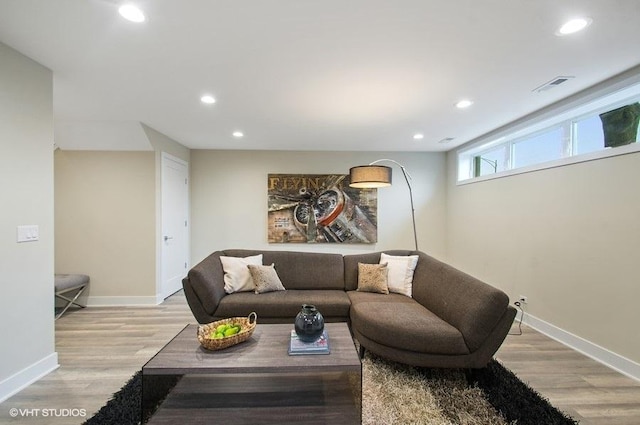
(407, 178)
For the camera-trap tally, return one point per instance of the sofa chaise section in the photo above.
(451, 320)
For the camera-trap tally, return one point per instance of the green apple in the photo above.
(231, 331)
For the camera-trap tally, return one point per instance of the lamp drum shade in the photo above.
(369, 176)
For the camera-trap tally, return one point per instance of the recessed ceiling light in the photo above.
(131, 13)
(208, 99)
(238, 134)
(573, 26)
(418, 136)
(465, 103)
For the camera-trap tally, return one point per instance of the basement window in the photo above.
(605, 127)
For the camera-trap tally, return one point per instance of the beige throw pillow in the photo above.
(372, 278)
(265, 278)
(401, 268)
(236, 274)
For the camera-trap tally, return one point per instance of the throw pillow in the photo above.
(400, 276)
(372, 278)
(236, 274)
(265, 278)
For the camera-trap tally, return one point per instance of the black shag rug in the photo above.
(493, 395)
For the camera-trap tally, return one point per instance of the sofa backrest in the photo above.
(301, 270)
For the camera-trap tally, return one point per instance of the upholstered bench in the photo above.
(65, 283)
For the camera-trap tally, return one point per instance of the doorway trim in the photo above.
(160, 295)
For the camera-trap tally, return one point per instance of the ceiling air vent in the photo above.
(446, 140)
(552, 84)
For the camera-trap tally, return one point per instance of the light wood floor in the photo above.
(100, 348)
(583, 388)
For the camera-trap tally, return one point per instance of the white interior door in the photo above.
(175, 225)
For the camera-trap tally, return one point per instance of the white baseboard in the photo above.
(600, 354)
(146, 301)
(27, 376)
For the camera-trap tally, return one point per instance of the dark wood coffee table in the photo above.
(254, 382)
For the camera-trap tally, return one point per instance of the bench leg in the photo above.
(70, 301)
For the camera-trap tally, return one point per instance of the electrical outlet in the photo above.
(522, 299)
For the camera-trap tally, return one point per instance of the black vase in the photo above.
(309, 323)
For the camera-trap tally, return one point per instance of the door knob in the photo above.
(166, 238)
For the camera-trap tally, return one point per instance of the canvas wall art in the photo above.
(320, 208)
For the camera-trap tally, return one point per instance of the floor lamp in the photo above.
(374, 176)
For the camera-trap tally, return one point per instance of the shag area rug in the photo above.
(393, 393)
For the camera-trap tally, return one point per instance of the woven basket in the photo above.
(248, 326)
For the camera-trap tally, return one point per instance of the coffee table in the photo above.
(254, 382)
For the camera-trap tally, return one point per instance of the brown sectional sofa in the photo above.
(451, 320)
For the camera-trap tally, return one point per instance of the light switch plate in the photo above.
(29, 233)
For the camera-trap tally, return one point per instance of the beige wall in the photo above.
(567, 237)
(162, 143)
(26, 172)
(105, 221)
(229, 199)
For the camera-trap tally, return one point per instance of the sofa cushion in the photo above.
(407, 326)
(357, 297)
(372, 278)
(401, 268)
(330, 303)
(236, 274)
(265, 278)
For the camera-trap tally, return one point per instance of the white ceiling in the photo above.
(311, 74)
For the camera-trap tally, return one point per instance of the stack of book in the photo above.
(298, 347)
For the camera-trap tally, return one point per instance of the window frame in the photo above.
(565, 120)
